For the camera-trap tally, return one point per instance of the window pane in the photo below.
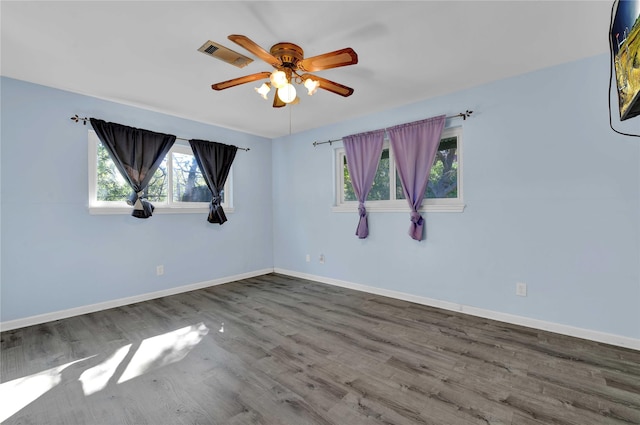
(188, 182)
(159, 184)
(380, 188)
(443, 180)
(349, 194)
(113, 187)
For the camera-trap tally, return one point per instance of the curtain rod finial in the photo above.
(76, 118)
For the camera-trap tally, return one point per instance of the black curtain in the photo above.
(214, 160)
(137, 154)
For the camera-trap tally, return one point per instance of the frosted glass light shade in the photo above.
(311, 85)
(278, 79)
(287, 94)
(263, 90)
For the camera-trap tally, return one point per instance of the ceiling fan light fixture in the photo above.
(263, 90)
(287, 94)
(291, 67)
(311, 85)
(278, 79)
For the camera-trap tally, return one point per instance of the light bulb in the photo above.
(287, 94)
(278, 79)
(263, 90)
(311, 85)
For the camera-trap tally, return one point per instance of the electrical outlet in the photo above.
(308, 258)
(521, 289)
(159, 270)
(321, 258)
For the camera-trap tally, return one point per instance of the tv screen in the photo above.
(625, 39)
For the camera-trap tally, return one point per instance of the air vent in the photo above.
(211, 49)
(218, 51)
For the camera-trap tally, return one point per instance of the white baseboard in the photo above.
(607, 338)
(76, 311)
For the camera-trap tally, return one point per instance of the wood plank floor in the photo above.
(280, 350)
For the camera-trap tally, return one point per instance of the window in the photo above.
(177, 188)
(444, 191)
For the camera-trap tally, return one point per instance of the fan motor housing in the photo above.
(290, 54)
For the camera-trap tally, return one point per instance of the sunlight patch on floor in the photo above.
(17, 394)
(152, 353)
(96, 378)
(162, 350)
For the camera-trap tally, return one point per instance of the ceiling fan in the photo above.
(291, 66)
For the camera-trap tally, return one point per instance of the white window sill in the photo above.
(98, 210)
(455, 206)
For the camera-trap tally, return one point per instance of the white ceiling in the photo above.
(145, 54)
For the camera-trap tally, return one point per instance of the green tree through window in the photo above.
(177, 186)
(443, 179)
(113, 187)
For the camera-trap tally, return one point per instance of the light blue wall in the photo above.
(552, 197)
(552, 200)
(56, 256)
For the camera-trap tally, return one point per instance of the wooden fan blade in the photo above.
(251, 46)
(329, 85)
(242, 80)
(329, 60)
(277, 103)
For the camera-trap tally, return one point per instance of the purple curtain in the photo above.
(363, 153)
(414, 147)
(137, 154)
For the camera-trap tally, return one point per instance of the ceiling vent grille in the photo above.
(218, 51)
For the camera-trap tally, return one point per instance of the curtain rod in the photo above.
(84, 120)
(464, 115)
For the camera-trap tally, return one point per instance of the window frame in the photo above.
(170, 207)
(400, 205)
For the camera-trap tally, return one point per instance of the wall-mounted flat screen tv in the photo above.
(625, 39)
